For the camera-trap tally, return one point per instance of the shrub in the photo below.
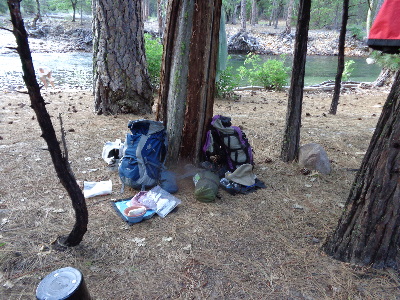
(154, 51)
(347, 70)
(356, 31)
(227, 81)
(272, 74)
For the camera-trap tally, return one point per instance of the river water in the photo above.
(74, 70)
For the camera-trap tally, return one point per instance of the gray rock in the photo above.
(313, 156)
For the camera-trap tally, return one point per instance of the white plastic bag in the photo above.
(112, 151)
(92, 188)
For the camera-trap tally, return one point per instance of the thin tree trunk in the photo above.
(273, 12)
(38, 16)
(188, 76)
(234, 16)
(340, 68)
(60, 161)
(368, 232)
(74, 2)
(121, 80)
(288, 28)
(291, 139)
(253, 20)
(161, 16)
(243, 15)
(369, 16)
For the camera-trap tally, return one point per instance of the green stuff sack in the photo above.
(206, 186)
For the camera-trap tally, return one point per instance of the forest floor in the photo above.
(264, 245)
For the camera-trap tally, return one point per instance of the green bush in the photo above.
(356, 31)
(348, 69)
(272, 74)
(154, 51)
(227, 81)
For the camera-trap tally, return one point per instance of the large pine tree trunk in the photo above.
(121, 80)
(60, 161)
(368, 233)
(291, 139)
(188, 75)
(340, 68)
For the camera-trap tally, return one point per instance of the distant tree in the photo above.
(368, 232)
(291, 139)
(74, 4)
(145, 9)
(60, 160)
(253, 20)
(188, 74)
(243, 15)
(161, 16)
(288, 28)
(340, 68)
(274, 16)
(121, 80)
(38, 16)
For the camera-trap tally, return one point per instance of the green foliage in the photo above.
(386, 61)
(227, 82)
(154, 51)
(356, 31)
(348, 69)
(272, 74)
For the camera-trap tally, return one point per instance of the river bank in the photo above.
(55, 34)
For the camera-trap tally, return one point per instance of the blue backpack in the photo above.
(143, 154)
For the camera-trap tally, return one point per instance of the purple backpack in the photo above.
(227, 145)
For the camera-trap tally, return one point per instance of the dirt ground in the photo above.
(264, 245)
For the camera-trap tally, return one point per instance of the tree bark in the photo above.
(74, 2)
(385, 77)
(288, 28)
(253, 20)
(161, 18)
(243, 15)
(145, 10)
(121, 80)
(38, 16)
(60, 161)
(368, 232)
(340, 68)
(188, 76)
(291, 139)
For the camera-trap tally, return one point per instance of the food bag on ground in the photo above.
(206, 186)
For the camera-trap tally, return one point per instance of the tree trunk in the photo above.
(253, 20)
(368, 232)
(385, 78)
(273, 12)
(38, 16)
(288, 28)
(243, 15)
(74, 2)
(121, 80)
(340, 68)
(188, 76)
(60, 161)
(369, 16)
(234, 16)
(161, 12)
(291, 139)
(145, 10)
